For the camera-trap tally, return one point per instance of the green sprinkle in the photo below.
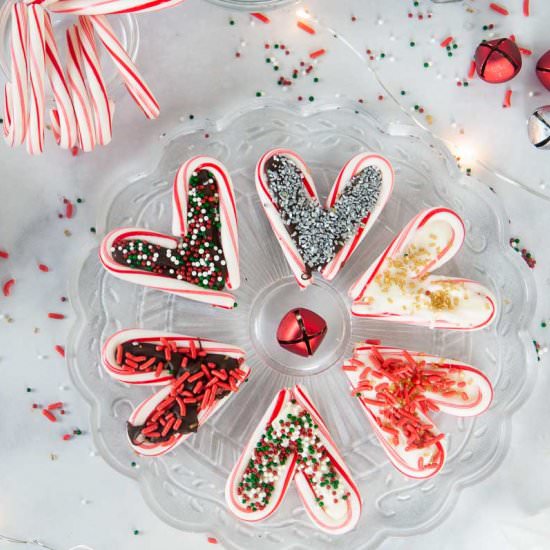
(316, 79)
(79, 200)
(426, 65)
(412, 44)
(311, 98)
(136, 532)
(92, 229)
(403, 92)
(29, 390)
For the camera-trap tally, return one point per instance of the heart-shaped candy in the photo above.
(292, 442)
(203, 257)
(312, 237)
(399, 286)
(197, 375)
(398, 390)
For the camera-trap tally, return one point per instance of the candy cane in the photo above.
(106, 7)
(102, 106)
(37, 69)
(135, 84)
(15, 94)
(79, 92)
(63, 118)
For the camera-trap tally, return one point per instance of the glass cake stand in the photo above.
(186, 487)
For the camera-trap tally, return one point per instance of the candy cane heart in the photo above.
(292, 441)
(399, 285)
(398, 390)
(202, 259)
(197, 377)
(312, 237)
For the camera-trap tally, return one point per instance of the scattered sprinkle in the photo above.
(56, 316)
(8, 285)
(60, 350)
(539, 350)
(305, 27)
(4, 254)
(212, 540)
(50, 416)
(499, 9)
(317, 53)
(526, 8)
(525, 254)
(507, 99)
(43, 267)
(446, 42)
(261, 17)
(69, 208)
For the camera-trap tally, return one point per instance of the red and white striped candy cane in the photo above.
(79, 92)
(37, 69)
(83, 112)
(63, 119)
(16, 91)
(110, 7)
(101, 104)
(135, 84)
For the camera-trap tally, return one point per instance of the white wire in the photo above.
(495, 173)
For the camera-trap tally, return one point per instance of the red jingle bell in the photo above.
(301, 331)
(543, 70)
(498, 60)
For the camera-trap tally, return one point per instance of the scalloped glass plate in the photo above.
(186, 487)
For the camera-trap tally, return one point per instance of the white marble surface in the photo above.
(188, 54)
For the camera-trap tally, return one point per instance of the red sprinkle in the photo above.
(507, 99)
(4, 254)
(212, 540)
(66, 437)
(525, 51)
(43, 267)
(60, 350)
(69, 209)
(372, 342)
(49, 415)
(56, 316)
(499, 9)
(54, 406)
(446, 42)
(260, 16)
(526, 8)
(317, 53)
(305, 27)
(6, 289)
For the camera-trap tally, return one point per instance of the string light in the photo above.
(35, 542)
(470, 152)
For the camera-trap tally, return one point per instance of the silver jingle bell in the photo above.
(538, 128)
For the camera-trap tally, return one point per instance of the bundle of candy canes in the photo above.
(83, 112)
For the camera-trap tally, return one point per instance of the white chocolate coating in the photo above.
(398, 286)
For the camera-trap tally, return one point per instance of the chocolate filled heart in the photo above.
(198, 257)
(314, 238)
(201, 259)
